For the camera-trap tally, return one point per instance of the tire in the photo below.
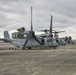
(54, 47)
(29, 47)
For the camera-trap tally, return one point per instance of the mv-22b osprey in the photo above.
(28, 39)
(54, 34)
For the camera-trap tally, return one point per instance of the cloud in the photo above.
(16, 13)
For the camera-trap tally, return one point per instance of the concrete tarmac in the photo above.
(48, 61)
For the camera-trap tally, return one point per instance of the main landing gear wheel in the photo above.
(29, 47)
(54, 47)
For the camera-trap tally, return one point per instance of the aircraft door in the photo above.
(42, 41)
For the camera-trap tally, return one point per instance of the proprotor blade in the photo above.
(51, 27)
(34, 36)
(31, 20)
(25, 43)
(58, 31)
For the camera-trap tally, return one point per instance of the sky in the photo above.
(17, 13)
